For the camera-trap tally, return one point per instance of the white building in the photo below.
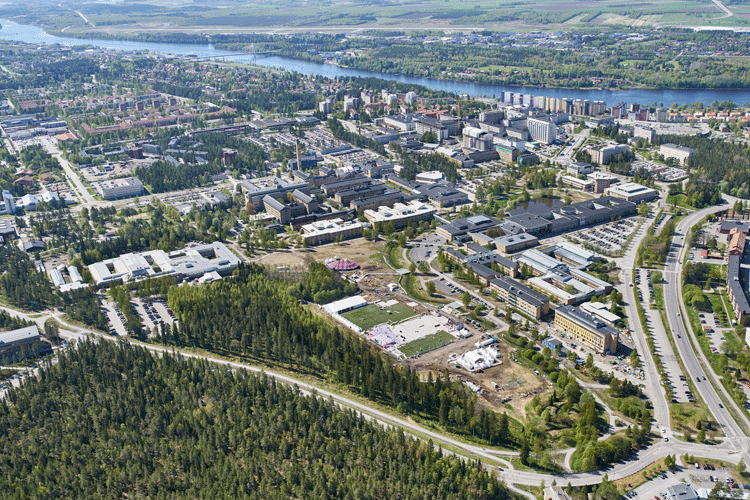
(476, 138)
(126, 187)
(189, 263)
(479, 359)
(631, 191)
(542, 130)
(7, 206)
(325, 231)
(401, 214)
(431, 177)
(680, 153)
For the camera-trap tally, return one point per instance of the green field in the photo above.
(426, 344)
(371, 315)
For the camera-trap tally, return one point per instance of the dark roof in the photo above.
(523, 292)
(734, 281)
(587, 320)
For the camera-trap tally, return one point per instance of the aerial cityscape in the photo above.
(491, 250)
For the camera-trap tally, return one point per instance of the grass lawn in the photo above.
(426, 344)
(372, 315)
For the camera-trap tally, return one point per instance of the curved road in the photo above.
(697, 365)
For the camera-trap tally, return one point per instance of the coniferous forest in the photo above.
(258, 318)
(116, 421)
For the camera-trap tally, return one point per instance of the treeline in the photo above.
(413, 163)
(253, 316)
(322, 285)
(83, 305)
(178, 90)
(653, 249)
(115, 421)
(21, 283)
(720, 163)
(162, 176)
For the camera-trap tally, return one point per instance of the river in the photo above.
(32, 34)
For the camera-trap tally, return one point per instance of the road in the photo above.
(84, 197)
(653, 379)
(694, 364)
(720, 5)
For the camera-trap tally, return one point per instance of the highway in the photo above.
(694, 364)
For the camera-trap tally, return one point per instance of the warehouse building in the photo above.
(593, 332)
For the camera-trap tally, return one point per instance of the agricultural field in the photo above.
(372, 315)
(130, 16)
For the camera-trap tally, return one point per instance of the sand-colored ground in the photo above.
(515, 381)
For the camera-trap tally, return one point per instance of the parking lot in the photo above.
(675, 378)
(608, 238)
(704, 476)
(151, 311)
(425, 248)
(446, 288)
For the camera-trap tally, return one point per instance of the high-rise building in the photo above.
(7, 207)
(542, 130)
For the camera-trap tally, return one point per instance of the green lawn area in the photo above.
(718, 306)
(371, 315)
(426, 344)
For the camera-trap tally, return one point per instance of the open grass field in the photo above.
(371, 315)
(426, 344)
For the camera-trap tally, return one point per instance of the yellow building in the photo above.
(590, 330)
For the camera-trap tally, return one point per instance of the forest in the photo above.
(720, 163)
(115, 421)
(257, 318)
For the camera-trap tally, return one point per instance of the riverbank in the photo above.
(30, 34)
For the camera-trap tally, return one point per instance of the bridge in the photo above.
(253, 53)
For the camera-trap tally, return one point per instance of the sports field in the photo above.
(371, 315)
(426, 344)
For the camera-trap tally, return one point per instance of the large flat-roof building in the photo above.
(276, 188)
(520, 297)
(326, 231)
(486, 264)
(115, 189)
(401, 215)
(680, 153)
(569, 217)
(603, 154)
(457, 230)
(19, 344)
(631, 191)
(592, 331)
(188, 263)
(511, 243)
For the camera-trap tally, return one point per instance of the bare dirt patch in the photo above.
(515, 381)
